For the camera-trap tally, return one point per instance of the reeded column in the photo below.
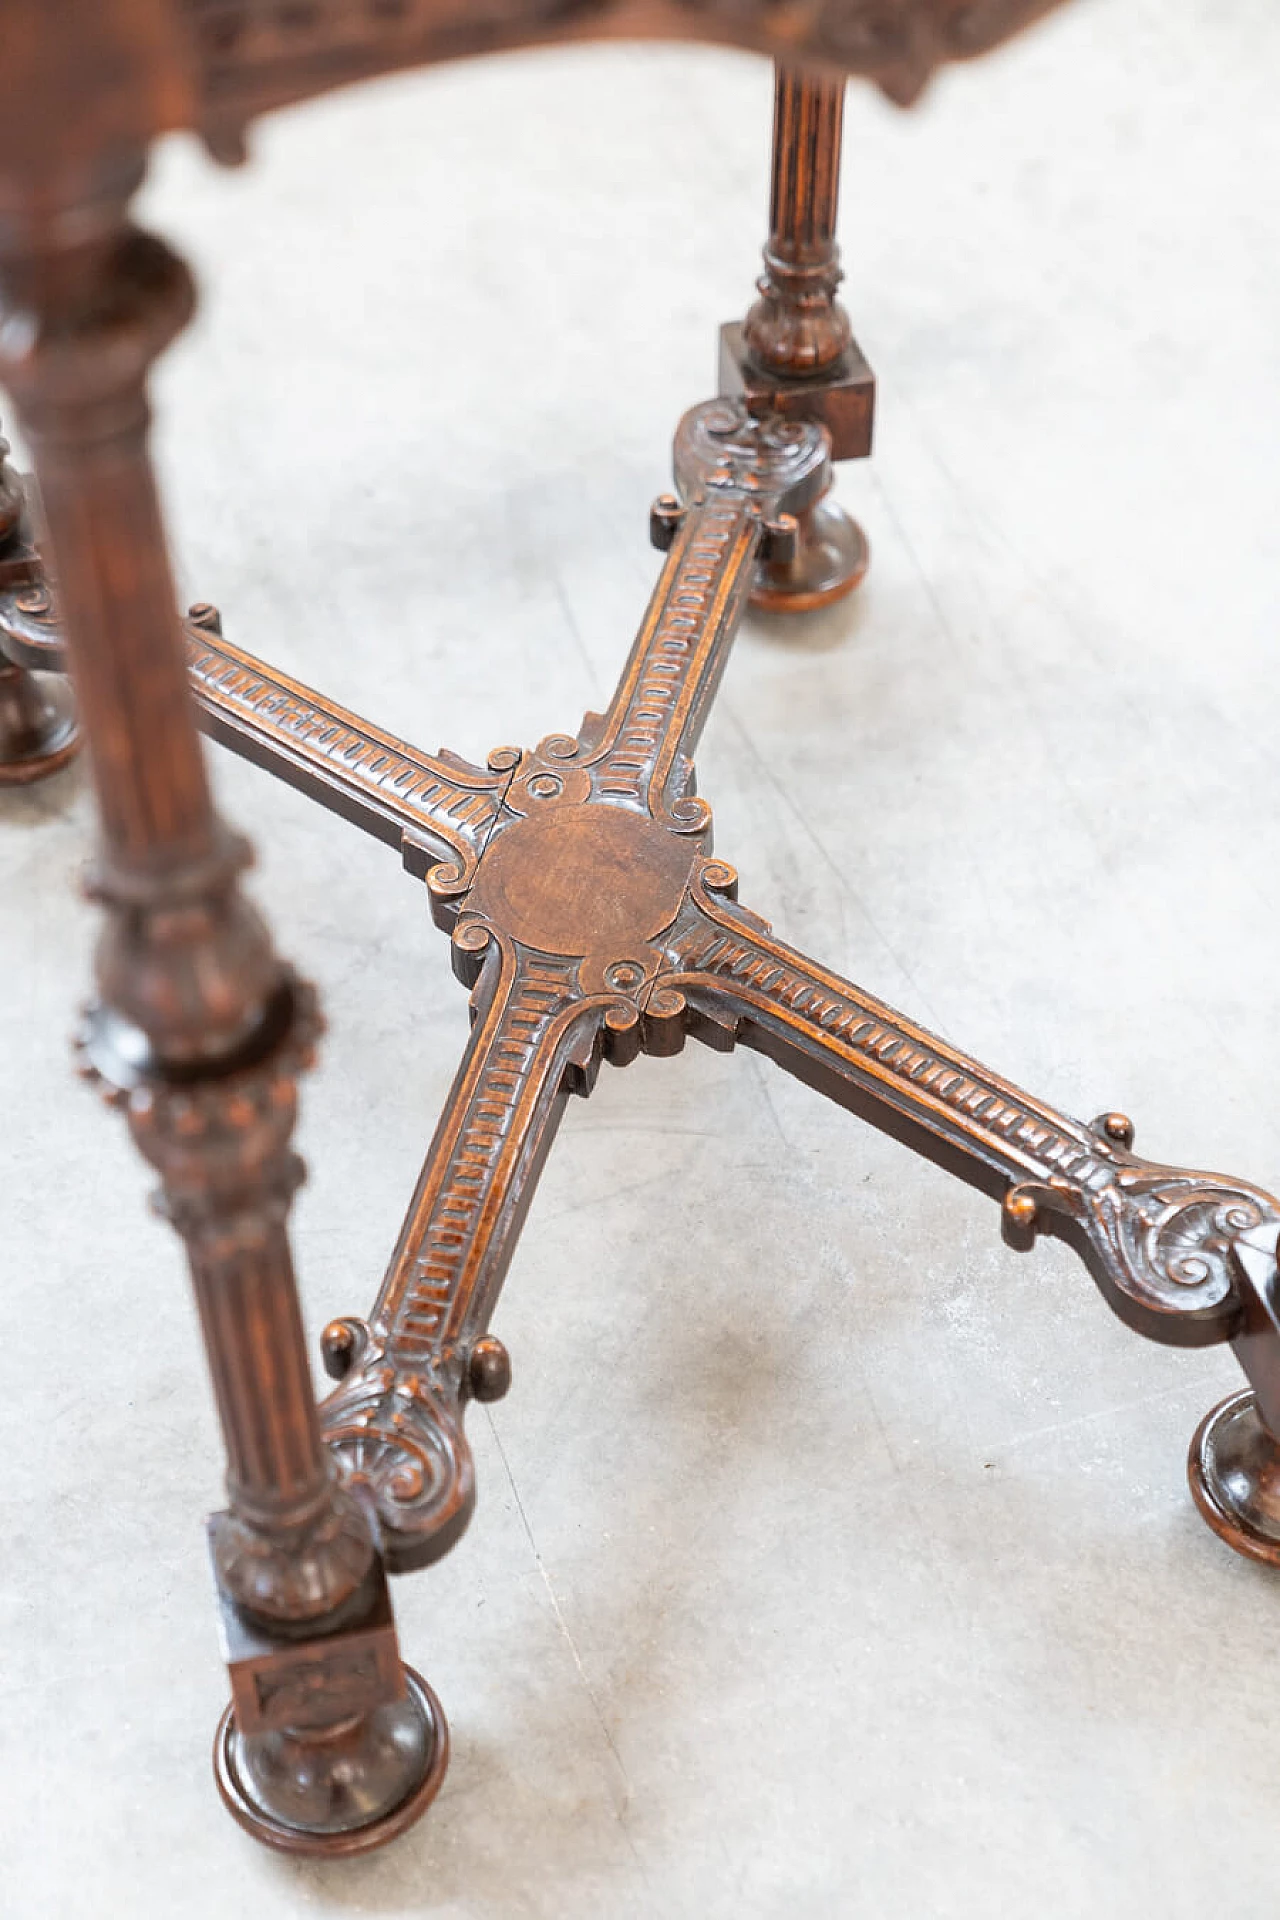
(198, 1029)
(795, 353)
(797, 326)
(198, 1034)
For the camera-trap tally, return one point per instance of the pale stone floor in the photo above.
(831, 1559)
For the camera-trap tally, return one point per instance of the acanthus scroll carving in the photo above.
(1160, 1237)
(398, 1441)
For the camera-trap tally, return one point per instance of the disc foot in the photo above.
(336, 1790)
(38, 731)
(1234, 1470)
(830, 560)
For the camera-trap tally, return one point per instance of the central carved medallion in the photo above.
(583, 879)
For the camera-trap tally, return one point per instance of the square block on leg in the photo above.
(312, 1679)
(843, 398)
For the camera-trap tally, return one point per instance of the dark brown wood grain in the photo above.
(797, 326)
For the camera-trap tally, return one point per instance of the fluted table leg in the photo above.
(198, 1034)
(795, 353)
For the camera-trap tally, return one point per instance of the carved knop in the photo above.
(219, 1142)
(286, 1575)
(489, 1369)
(184, 960)
(76, 345)
(665, 516)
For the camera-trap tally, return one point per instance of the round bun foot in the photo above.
(1234, 1470)
(830, 560)
(336, 1790)
(38, 731)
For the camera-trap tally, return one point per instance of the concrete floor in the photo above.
(831, 1559)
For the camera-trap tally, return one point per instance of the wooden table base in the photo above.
(591, 922)
(586, 912)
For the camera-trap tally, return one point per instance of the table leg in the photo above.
(795, 353)
(198, 1034)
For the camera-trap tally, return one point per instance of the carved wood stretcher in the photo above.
(586, 911)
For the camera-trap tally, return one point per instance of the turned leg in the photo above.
(197, 1034)
(795, 353)
(38, 731)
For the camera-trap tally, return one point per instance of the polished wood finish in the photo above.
(307, 1795)
(586, 913)
(795, 354)
(591, 923)
(198, 1031)
(1234, 1471)
(606, 933)
(797, 326)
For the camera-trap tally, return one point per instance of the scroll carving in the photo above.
(395, 1422)
(1157, 1239)
(397, 1437)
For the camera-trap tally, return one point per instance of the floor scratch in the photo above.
(621, 1808)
